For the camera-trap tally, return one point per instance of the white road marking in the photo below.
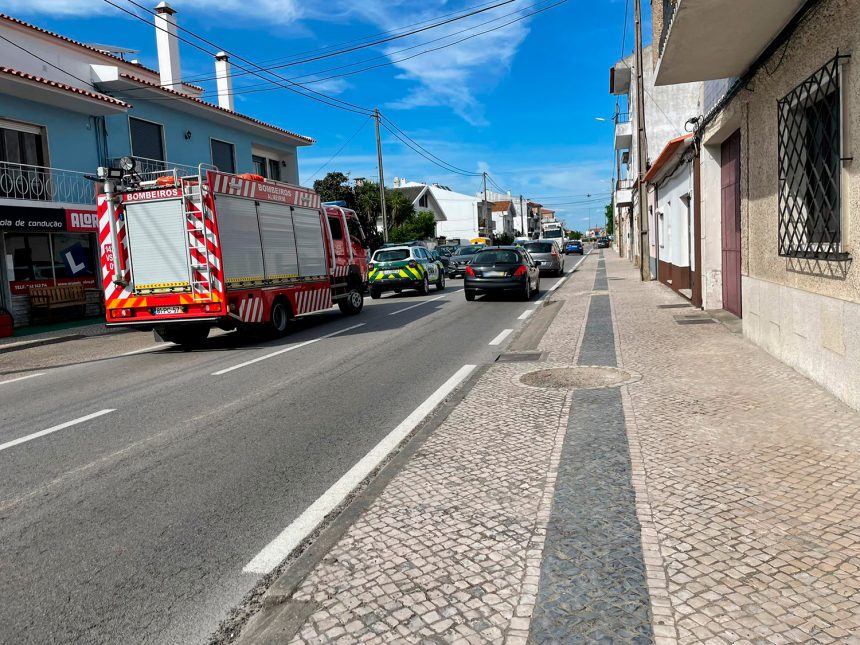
(423, 302)
(557, 284)
(279, 548)
(525, 314)
(285, 350)
(498, 339)
(151, 348)
(42, 433)
(21, 378)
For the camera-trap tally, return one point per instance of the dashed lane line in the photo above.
(525, 314)
(285, 350)
(498, 339)
(279, 548)
(22, 378)
(424, 302)
(62, 426)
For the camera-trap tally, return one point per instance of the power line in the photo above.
(339, 150)
(624, 33)
(428, 156)
(452, 166)
(320, 97)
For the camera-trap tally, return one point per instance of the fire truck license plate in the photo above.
(160, 311)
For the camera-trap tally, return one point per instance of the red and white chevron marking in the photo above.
(341, 270)
(204, 250)
(312, 300)
(251, 310)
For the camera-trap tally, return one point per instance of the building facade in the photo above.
(779, 196)
(67, 108)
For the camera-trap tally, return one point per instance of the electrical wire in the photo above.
(431, 158)
(339, 150)
(452, 166)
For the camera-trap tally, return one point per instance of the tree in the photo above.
(610, 220)
(504, 239)
(417, 226)
(335, 187)
(399, 207)
(574, 235)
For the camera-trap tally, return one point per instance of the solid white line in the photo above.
(42, 433)
(400, 311)
(525, 314)
(557, 284)
(498, 339)
(285, 350)
(149, 349)
(21, 378)
(279, 548)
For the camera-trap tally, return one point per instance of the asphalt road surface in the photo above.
(135, 489)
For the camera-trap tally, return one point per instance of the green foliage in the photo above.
(399, 208)
(335, 187)
(504, 239)
(574, 235)
(417, 226)
(610, 220)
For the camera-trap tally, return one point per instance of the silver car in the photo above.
(549, 255)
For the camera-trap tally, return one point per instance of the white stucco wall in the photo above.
(674, 236)
(461, 214)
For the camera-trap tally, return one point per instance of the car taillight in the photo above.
(413, 263)
(554, 252)
(521, 270)
(470, 272)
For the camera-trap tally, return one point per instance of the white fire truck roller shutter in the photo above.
(157, 244)
(309, 242)
(279, 240)
(239, 233)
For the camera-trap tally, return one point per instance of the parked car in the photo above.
(443, 260)
(602, 243)
(395, 268)
(461, 258)
(547, 253)
(502, 269)
(573, 246)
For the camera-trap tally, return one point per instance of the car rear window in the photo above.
(391, 255)
(539, 247)
(497, 257)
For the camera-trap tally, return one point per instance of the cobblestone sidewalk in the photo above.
(714, 499)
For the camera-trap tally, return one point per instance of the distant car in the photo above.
(395, 268)
(461, 258)
(498, 269)
(573, 246)
(547, 253)
(602, 243)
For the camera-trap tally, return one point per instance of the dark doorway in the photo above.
(731, 222)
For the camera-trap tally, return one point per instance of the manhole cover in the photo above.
(585, 377)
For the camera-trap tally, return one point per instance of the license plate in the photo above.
(495, 274)
(162, 311)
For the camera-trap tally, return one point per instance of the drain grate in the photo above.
(679, 306)
(696, 321)
(519, 357)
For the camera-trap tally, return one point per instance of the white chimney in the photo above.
(397, 182)
(168, 46)
(225, 81)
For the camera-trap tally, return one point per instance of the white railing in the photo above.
(149, 169)
(40, 183)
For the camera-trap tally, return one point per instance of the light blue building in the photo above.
(67, 108)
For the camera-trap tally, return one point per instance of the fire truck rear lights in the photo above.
(122, 313)
(211, 308)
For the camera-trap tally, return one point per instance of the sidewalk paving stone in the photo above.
(714, 500)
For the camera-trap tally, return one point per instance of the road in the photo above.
(135, 490)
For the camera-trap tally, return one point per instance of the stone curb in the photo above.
(28, 344)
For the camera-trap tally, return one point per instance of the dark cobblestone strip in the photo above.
(593, 586)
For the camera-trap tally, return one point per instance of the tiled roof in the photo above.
(411, 192)
(213, 106)
(501, 206)
(62, 86)
(76, 43)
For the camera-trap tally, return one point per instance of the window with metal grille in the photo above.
(810, 167)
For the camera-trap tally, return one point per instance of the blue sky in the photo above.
(520, 102)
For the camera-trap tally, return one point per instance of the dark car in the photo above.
(502, 269)
(573, 246)
(602, 243)
(461, 257)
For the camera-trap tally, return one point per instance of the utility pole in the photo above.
(484, 208)
(525, 233)
(642, 153)
(381, 178)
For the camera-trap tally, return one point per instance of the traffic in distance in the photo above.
(183, 254)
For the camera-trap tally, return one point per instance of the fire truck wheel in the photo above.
(353, 303)
(279, 319)
(188, 336)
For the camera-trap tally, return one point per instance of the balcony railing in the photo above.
(40, 183)
(623, 184)
(152, 168)
(668, 14)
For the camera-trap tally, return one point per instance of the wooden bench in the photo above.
(47, 299)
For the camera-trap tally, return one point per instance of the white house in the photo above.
(456, 214)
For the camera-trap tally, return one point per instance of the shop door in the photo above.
(731, 223)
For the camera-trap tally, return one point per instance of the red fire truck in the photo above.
(181, 254)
